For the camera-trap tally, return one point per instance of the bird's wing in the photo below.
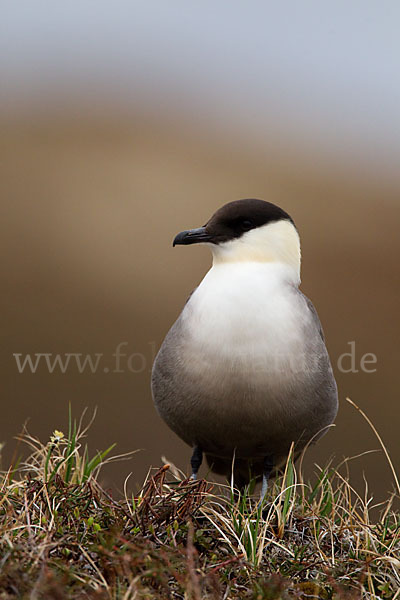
(315, 315)
(190, 295)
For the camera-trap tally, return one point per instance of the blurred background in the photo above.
(123, 123)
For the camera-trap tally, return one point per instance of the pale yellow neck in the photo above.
(276, 242)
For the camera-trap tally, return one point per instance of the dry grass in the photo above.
(63, 536)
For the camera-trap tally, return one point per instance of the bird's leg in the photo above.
(196, 460)
(267, 469)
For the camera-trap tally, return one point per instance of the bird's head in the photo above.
(248, 230)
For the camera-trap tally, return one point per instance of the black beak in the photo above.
(192, 236)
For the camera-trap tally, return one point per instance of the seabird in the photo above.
(244, 371)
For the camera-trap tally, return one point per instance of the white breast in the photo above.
(246, 324)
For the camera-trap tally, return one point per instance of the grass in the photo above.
(63, 536)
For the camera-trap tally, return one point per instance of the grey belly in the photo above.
(238, 413)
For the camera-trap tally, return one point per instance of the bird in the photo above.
(244, 374)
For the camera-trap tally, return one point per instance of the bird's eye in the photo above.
(246, 225)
